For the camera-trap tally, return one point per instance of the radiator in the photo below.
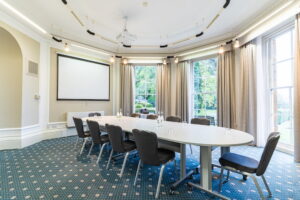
(70, 115)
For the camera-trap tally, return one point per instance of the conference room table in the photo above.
(205, 137)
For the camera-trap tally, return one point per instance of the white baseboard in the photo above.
(16, 138)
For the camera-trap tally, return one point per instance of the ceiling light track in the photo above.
(226, 4)
(137, 46)
(90, 32)
(61, 39)
(56, 39)
(77, 18)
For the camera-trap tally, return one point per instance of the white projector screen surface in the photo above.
(80, 79)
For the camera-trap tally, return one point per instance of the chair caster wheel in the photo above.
(190, 188)
(171, 192)
(245, 177)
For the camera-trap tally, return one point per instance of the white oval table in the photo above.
(204, 136)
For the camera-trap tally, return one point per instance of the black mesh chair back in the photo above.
(136, 115)
(115, 134)
(79, 127)
(173, 119)
(94, 131)
(147, 147)
(144, 111)
(152, 116)
(267, 153)
(96, 114)
(200, 121)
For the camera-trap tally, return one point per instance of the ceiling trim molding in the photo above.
(89, 31)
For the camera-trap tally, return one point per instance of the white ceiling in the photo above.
(161, 22)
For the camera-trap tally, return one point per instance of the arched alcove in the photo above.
(11, 62)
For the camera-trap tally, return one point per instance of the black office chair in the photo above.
(144, 111)
(199, 121)
(97, 137)
(119, 145)
(173, 119)
(95, 114)
(81, 133)
(135, 115)
(172, 146)
(150, 154)
(247, 166)
(152, 116)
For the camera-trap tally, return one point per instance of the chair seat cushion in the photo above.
(129, 145)
(165, 155)
(87, 134)
(239, 162)
(104, 138)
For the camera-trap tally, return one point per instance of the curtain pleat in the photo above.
(226, 90)
(183, 90)
(127, 89)
(163, 89)
(247, 111)
(297, 91)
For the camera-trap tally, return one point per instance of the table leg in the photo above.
(182, 161)
(225, 150)
(205, 167)
(183, 174)
(205, 171)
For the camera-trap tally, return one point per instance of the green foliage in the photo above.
(205, 87)
(145, 86)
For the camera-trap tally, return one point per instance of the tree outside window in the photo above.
(145, 88)
(205, 89)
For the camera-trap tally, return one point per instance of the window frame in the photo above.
(192, 83)
(267, 61)
(146, 89)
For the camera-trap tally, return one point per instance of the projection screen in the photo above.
(82, 80)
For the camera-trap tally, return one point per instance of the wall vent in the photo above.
(33, 68)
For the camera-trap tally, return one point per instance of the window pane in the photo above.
(205, 89)
(145, 88)
(281, 68)
(282, 118)
(198, 102)
(283, 74)
(283, 46)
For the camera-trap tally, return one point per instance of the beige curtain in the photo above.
(226, 90)
(297, 91)
(247, 111)
(127, 89)
(183, 90)
(163, 89)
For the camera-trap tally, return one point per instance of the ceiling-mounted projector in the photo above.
(125, 37)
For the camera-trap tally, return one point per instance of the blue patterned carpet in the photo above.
(53, 169)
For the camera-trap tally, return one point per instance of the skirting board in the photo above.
(17, 138)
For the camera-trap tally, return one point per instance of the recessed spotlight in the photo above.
(67, 48)
(112, 59)
(164, 61)
(125, 61)
(236, 44)
(221, 50)
(176, 60)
